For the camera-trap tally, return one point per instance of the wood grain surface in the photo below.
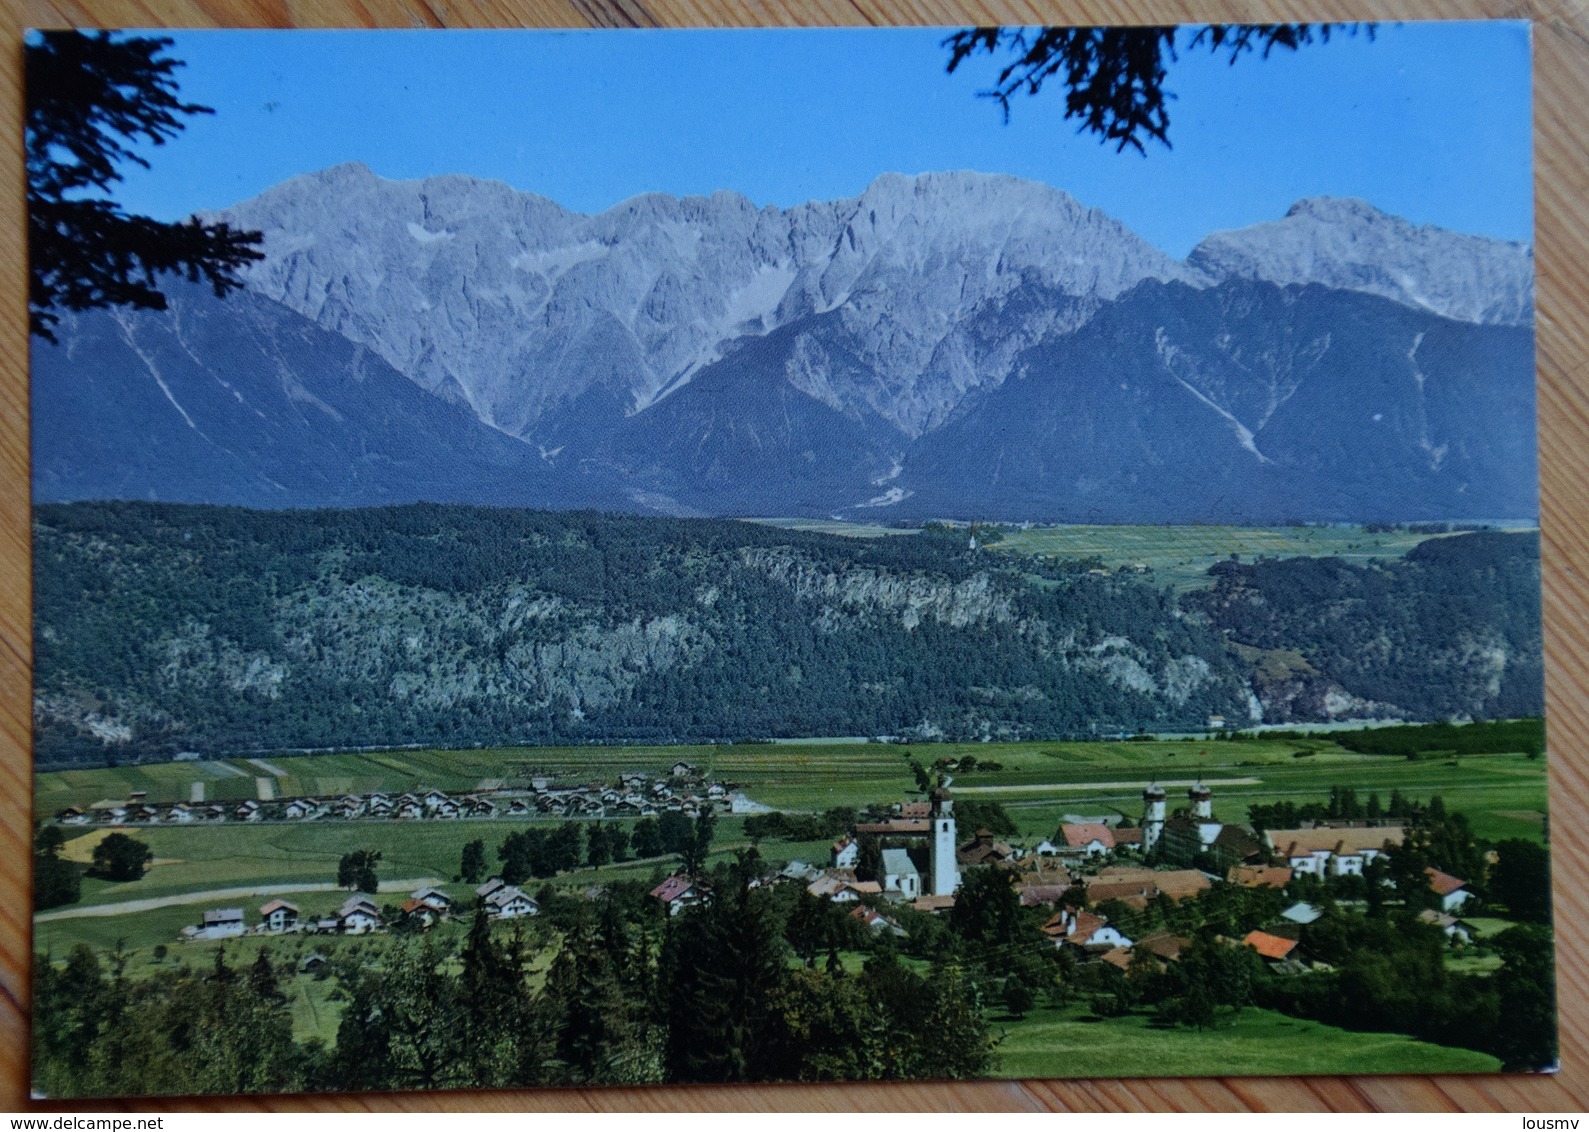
(1561, 109)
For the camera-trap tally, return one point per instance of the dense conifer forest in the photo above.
(162, 629)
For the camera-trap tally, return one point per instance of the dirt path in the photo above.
(129, 906)
(1166, 783)
(196, 792)
(266, 789)
(269, 768)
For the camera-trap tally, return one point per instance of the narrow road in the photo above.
(126, 907)
(1137, 784)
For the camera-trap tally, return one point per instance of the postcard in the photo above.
(579, 558)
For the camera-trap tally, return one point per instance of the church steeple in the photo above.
(944, 874)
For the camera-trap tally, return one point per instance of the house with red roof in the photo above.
(1332, 851)
(1452, 891)
(417, 911)
(679, 892)
(875, 920)
(279, 916)
(1259, 876)
(1083, 930)
(1271, 947)
(1089, 840)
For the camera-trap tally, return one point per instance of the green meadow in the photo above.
(1503, 795)
(1179, 556)
(1072, 1043)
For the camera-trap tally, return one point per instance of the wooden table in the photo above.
(1561, 127)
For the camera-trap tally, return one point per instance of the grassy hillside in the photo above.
(1063, 1043)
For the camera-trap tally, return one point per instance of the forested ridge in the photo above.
(1450, 631)
(163, 628)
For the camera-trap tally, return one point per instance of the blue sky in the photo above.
(1429, 121)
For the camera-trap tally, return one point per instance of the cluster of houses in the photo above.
(359, 914)
(1090, 862)
(636, 794)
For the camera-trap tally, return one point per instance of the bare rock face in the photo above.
(508, 303)
(1352, 246)
(943, 344)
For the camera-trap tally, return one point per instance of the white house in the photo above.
(1331, 851)
(222, 923)
(678, 892)
(509, 903)
(1453, 892)
(358, 915)
(846, 851)
(433, 898)
(844, 889)
(1084, 930)
(279, 916)
(1089, 840)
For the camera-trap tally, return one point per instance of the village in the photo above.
(635, 794)
(915, 857)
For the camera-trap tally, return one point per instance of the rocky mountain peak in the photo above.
(1349, 244)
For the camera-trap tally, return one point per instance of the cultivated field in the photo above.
(205, 865)
(1178, 556)
(1502, 794)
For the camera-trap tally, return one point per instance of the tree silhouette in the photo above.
(90, 98)
(119, 857)
(1114, 76)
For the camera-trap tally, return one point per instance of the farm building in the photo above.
(220, 923)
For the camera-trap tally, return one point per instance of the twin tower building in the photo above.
(1202, 809)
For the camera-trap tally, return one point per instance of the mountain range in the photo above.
(945, 344)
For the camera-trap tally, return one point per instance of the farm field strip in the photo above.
(1181, 555)
(1168, 784)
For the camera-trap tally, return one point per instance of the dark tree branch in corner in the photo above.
(1114, 76)
(90, 98)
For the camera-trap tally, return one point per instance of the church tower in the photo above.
(1202, 799)
(1152, 817)
(945, 876)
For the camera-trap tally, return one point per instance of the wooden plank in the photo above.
(1561, 45)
